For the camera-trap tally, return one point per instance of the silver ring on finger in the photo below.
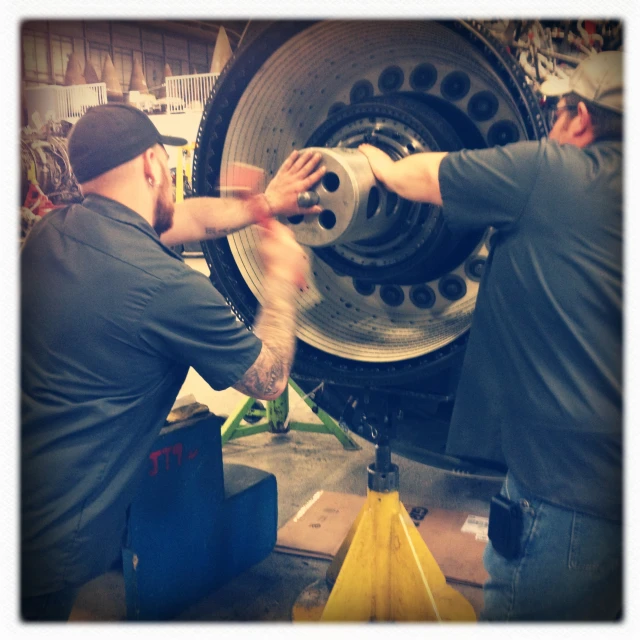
(308, 199)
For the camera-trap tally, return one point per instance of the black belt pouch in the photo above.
(505, 526)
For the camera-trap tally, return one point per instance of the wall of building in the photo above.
(183, 125)
(47, 45)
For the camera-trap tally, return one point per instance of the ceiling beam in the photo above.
(206, 31)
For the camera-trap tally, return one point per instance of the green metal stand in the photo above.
(276, 415)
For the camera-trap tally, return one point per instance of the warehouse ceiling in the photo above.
(206, 30)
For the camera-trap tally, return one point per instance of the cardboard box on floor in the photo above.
(455, 538)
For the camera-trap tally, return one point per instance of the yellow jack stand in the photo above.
(383, 570)
(386, 571)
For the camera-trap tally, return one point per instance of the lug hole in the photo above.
(422, 296)
(297, 219)
(423, 77)
(392, 294)
(502, 132)
(474, 268)
(331, 181)
(335, 107)
(455, 85)
(482, 106)
(327, 219)
(452, 287)
(361, 91)
(391, 79)
(363, 287)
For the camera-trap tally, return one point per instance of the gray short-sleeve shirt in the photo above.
(541, 387)
(111, 321)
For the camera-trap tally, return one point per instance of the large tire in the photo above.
(392, 315)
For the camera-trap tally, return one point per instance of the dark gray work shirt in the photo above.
(541, 382)
(111, 321)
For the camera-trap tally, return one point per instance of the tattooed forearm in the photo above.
(205, 218)
(220, 232)
(237, 215)
(264, 378)
(268, 376)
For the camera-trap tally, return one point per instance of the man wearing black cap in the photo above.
(541, 386)
(111, 321)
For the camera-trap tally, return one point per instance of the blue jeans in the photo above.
(569, 567)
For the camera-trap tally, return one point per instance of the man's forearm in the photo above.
(276, 327)
(414, 177)
(198, 219)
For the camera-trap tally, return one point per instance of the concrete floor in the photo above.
(303, 463)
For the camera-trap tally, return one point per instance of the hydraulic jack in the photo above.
(383, 570)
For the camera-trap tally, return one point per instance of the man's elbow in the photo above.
(275, 391)
(265, 380)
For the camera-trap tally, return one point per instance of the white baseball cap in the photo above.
(597, 79)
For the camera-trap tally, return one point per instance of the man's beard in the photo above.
(163, 215)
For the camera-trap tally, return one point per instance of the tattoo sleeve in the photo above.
(267, 378)
(220, 232)
(240, 213)
(205, 218)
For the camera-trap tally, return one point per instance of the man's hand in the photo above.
(381, 163)
(240, 180)
(298, 173)
(282, 256)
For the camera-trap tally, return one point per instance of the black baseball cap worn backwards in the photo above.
(109, 135)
